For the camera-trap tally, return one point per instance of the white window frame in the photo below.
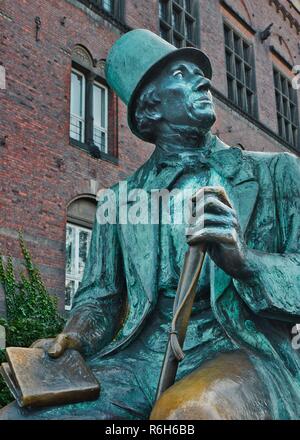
(77, 117)
(76, 276)
(102, 129)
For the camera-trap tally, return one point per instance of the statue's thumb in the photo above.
(56, 350)
(58, 347)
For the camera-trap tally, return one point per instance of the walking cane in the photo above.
(183, 304)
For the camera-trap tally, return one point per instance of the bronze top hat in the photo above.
(136, 57)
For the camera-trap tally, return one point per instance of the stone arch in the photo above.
(82, 56)
(81, 210)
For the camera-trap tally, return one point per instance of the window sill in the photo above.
(94, 152)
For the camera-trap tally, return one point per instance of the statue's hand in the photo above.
(62, 342)
(219, 229)
(56, 347)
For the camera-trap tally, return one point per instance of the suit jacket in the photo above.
(119, 288)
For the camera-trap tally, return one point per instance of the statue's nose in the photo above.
(202, 84)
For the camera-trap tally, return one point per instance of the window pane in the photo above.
(189, 29)
(248, 77)
(187, 4)
(97, 96)
(237, 45)
(227, 32)
(77, 94)
(238, 69)
(176, 19)
(100, 139)
(77, 105)
(108, 5)
(250, 102)
(163, 10)
(76, 128)
(246, 52)
(100, 117)
(70, 250)
(229, 59)
(231, 89)
(77, 247)
(69, 293)
(177, 42)
(164, 33)
(99, 106)
(84, 240)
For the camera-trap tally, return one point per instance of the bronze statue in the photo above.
(239, 361)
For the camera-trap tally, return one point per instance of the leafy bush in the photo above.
(31, 313)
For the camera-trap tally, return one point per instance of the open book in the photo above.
(35, 379)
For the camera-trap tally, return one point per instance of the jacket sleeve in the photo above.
(98, 303)
(274, 290)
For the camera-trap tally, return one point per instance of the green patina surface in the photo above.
(123, 308)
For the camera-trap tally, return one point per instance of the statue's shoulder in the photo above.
(277, 159)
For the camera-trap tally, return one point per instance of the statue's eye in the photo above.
(178, 74)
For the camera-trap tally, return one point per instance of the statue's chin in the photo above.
(204, 118)
(205, 122)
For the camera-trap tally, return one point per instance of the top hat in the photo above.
(136, 57)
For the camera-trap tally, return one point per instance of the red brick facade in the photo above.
(40, 172)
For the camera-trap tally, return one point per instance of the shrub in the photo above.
(31, 313)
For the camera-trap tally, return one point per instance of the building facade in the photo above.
(64, 133)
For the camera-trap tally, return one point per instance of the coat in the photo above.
(118, 292)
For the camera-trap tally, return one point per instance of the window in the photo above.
(287, 109)
(240, 71)
(80, 106)
(112, 7)
(178, 22)
(81, 214)
(77, 247)
(93, 107)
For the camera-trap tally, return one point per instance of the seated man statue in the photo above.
(239, 358)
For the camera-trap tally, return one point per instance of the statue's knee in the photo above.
(223, 389)
(189, 400)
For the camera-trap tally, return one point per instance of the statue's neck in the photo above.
(186, 140)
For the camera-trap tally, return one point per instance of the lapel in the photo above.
(140, 242)
(236, 170)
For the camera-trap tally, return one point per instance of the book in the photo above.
(35, 379)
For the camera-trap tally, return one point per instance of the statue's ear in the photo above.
(153, 113)
(149, 105)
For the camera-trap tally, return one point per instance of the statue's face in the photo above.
(185, 95)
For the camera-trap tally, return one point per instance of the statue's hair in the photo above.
(145, 113)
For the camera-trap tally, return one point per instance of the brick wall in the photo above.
(40, 172)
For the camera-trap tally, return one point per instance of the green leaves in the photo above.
(31, 313)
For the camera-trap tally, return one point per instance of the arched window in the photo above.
(80, 218)
(93, 107)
